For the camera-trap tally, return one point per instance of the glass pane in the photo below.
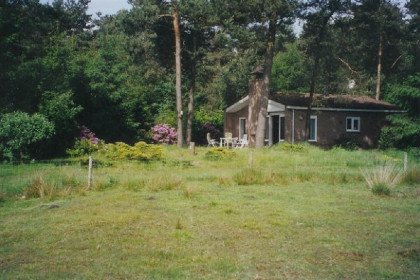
(282, 128)
(312, 129)
(348, 127)
(356, 124)
(242, 128)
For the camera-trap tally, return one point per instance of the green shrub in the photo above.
(386, 139)
(292, 147)
(347, 142)
(83, 147)
(219, 154)
(140, 151)
(19, 131)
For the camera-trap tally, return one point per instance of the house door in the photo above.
(277, 129)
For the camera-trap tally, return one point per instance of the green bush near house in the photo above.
(140, 151)
(219, 154)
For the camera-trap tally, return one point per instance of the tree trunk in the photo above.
(265, 92)
(191, 93)
(311, 97)
(317, 57)
(378, 78)
(178, 75)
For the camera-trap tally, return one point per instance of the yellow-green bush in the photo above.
(219, 154)
(140, 151)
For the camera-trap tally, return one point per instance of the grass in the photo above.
(298, 214)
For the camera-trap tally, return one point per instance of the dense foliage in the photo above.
(116, 73)
(19, 132)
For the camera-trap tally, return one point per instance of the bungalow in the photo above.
(331, 117)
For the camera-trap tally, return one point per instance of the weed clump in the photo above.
(39, 188)
(219, 154)
(163, 183)
(411, 176)
(101, 184)
(292, 147)
(188, 192)
(381, 189)
(381, 180)
(252, 176)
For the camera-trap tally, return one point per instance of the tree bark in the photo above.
(191, 93)
(265, 92)
(178, 75)
(378, 78)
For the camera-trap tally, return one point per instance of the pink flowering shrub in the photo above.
(87, 135)
(163, 133)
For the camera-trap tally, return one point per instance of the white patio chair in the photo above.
(211, 142)
(242, 142)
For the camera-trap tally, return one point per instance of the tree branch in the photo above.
(165, 15)
(395, 62)
(347, 65)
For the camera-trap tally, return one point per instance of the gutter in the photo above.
(345, 110)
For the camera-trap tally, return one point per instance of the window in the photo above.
(242, 127)
(353, 124)
(312, 128)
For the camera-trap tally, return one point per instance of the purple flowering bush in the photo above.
(86, 144)
(87, 135)
(164, 134)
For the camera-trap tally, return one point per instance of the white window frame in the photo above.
(352, 129)
(313, 117)
(242, 129)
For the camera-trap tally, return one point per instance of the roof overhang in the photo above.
(238, 105)
(273, 106)
(345, 109)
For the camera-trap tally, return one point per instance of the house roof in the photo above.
(320, 102)
(332, 101)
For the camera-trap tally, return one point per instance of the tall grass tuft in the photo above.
(39, 188)
(163, 182)
(411, 176)
(381, 180)
(249, 176)
(188, 192)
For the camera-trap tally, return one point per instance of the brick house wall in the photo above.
(331, 125)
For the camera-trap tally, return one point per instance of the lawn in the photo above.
(294, 214)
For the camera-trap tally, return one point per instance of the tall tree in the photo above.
(196, 25)
(261, 22)
(175, 18)
(318, 15)
(378, 25)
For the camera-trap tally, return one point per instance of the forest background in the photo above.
(62, 69)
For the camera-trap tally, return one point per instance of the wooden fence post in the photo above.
(405, 161)
(90, 173)
(251, 159)
(192, 147)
